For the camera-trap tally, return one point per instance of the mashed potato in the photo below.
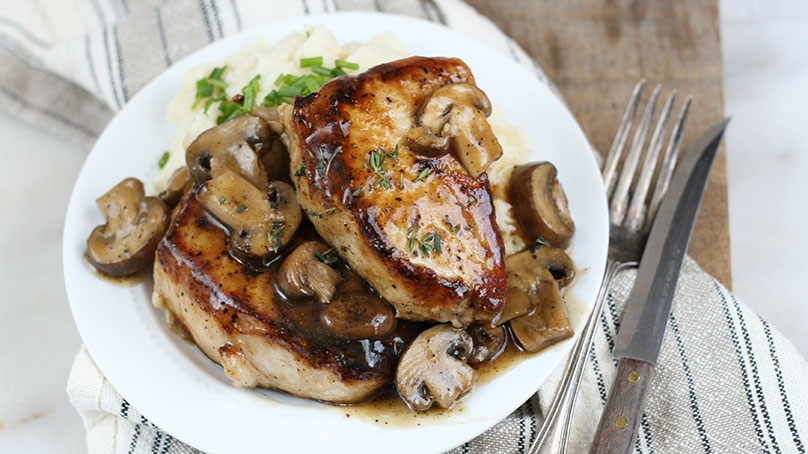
(270, 61)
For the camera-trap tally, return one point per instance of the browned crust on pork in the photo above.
(236, 317)
(340, 126)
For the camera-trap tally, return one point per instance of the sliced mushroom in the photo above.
(125, 244)
(454, 117)
(540, 204)
(517, 304)
(529, 267)
(237, 144)
(178, 184)
(358, 316)
(539, 274)
(260, 223)
(305, 272)
(489, 343)
(548, 324)
(433, 368)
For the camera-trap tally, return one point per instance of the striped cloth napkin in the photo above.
(726, 381)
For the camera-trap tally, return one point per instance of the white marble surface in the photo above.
(766, 92)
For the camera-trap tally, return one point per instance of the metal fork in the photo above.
(631, 212)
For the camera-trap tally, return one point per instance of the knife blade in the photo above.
(648, 308)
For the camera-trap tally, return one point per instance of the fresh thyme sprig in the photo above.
(275, 234)
(427, 243)
(323, 164)
(376, 160)
(328, 256)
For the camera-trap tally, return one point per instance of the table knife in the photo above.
(647, 310)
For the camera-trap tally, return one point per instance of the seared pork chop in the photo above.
(420, 229)
(234, 313)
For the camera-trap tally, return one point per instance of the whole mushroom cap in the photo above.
(135, 223)
(540, 204)
(433, 368)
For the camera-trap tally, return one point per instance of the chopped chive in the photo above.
(241, 208)
(289, 79)
(346, 64)
(250, 92)
(206, 88)
(163, 159)
(289, 86)
(320, 70)
(222, 200)
(289, 91)
(311, 61)
(312, 84)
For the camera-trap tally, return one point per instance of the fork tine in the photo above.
(635, 218)
(621, 192)
(669, 159)
(613, 157)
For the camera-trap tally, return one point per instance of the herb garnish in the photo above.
(424, 173)
(428, 243)
(274, 235)
(329, 256)
(211, 87)
(163, 159)
(323, 164)
(233, 108)
(539, 242)
(319, 214)
(376, 160)
(289, 86)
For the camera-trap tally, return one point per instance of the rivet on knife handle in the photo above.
(624, 408)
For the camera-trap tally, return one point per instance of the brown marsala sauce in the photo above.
(388, 409)
(130, 280)
(245, 288)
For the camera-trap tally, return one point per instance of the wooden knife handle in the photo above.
(623, 413)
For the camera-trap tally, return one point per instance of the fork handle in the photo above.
(624, 408)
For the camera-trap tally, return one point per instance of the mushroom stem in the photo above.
(536, 277)
(305, 273)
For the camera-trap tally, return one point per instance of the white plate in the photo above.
(173, 385)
